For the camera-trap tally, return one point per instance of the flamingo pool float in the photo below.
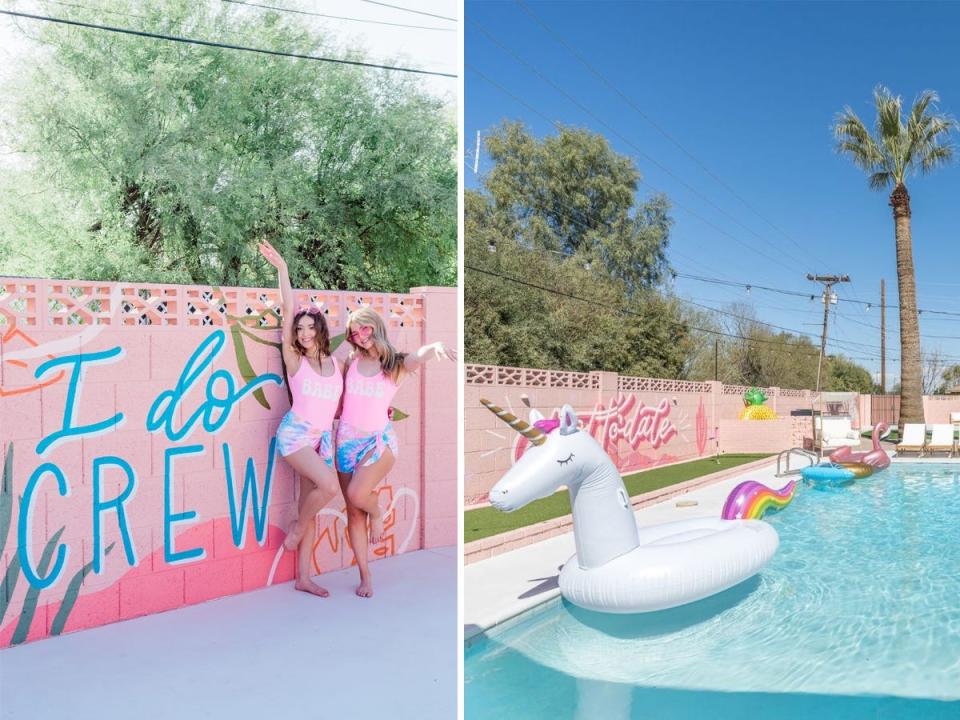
(877, 457)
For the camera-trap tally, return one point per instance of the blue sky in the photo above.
(750, 91)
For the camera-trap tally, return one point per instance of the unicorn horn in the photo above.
(534, 435)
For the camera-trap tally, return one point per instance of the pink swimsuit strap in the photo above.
(366, 400)
(316, 397)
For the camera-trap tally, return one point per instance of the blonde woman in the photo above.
(366, 442)
(304, 436)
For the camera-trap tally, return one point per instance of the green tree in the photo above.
(626, 327)
(167, 162)
(571, 194)
(756, 355)
(843, 374)
(900, 147)
(950, 380)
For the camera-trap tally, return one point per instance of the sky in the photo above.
(727, 108)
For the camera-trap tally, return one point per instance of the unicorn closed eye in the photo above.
(618, 567)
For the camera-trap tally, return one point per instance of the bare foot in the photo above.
(376, 527)
(311, 587)
(292, 540)
(365, 589)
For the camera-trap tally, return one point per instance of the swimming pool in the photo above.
(857, 615)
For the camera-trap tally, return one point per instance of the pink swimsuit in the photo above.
(365, 428)
(315, 401)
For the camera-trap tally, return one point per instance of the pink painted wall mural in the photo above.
(640, 422)
(625, 427)
(137, 431)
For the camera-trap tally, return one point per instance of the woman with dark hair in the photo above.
(304, 437)
(366, 442)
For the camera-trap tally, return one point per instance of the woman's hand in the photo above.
(272, 256)
(441, 351)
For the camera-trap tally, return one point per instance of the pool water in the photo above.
(856, 616)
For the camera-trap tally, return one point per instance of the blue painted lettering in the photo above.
(221, 393)
(170, 554)
(251, 495)
(25, 527)
(99, 506)
(68, 429)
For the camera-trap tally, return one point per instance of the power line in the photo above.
(583, 108)
(856, 346)
(409, 10)
(702, 219)
(637, 109)
(179, 23)
(226, 46)
(732, 301)
(717, 281)
(626, 311)
(842, 345)
(847, 318)
(629, 101)
(800, 333)
(337, 17)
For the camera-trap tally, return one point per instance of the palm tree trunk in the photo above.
(911, 392)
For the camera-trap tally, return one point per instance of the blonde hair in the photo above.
(391, 360)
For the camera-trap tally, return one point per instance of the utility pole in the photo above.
(883, 338)
(716, 359)
(828, 282)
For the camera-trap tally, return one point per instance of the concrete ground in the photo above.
(268, 653)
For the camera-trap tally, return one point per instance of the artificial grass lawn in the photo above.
(893, 437)
(487, 521)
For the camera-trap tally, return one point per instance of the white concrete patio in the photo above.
(268, 653)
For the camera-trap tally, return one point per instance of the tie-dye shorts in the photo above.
(296, 433)
(353, 444)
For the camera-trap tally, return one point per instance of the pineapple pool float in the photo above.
(754, 408)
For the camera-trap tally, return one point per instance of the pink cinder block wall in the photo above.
(232, 334)
(642, 422)
(937, 408)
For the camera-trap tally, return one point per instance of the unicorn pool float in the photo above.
(619, 568)
(845, 466)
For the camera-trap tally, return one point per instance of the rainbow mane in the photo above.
(750, 500)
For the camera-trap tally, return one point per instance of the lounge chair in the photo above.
(914, 439)
(835, 432)
(942, 439)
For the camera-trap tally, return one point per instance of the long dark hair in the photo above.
(320, 325)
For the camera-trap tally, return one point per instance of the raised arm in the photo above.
(286, 298)
(413, 361)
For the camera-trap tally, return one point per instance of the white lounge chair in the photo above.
(914, 439)
(942, 439)
(836, 432)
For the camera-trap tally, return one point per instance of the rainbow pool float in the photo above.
(750, 500)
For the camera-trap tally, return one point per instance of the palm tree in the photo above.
(897, 149)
